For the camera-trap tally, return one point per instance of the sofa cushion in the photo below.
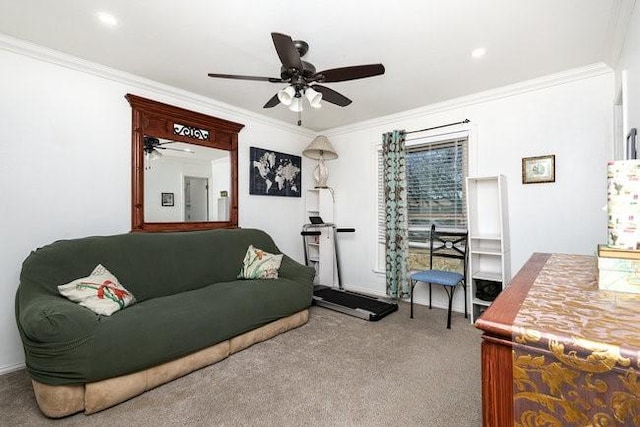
(259, 264)
(150, 264)
(100, 292)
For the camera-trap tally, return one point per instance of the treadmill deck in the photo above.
(355, 304)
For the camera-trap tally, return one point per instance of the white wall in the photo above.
(629, 61)
(572, 119)
(65, 160)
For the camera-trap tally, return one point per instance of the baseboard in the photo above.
(11, 368)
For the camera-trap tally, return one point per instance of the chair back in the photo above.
(448, 244)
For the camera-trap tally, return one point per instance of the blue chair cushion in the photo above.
(438, 277)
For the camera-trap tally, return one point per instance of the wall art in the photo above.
(274, 174)
(167, 199)
(536, 170)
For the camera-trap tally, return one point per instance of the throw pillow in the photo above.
(100, 292)
(259, 264)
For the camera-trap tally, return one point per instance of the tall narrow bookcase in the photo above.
(488, 247)
(320, 249)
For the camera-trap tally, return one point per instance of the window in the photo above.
(436, 172)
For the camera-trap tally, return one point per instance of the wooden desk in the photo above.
(558, 351)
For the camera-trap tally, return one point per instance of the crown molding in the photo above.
(61, 59)
(539, 83)
(617, 28)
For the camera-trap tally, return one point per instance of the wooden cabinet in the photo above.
(558, 351)
(488, 247)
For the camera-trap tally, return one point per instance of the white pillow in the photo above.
(259, 264)
(100, 292)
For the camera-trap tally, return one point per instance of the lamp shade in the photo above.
(314, 97)
(296, 104)
(155, 155)
(286, 95)
(320, 148)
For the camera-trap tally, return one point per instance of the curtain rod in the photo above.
(438, 127)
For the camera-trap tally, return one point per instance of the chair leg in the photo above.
(464, 286)
(453, 289)
(429, 296)
(413, 285)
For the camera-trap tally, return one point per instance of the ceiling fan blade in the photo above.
(349, 73)
(272, 102)
(257, 78)
(287, 51)
(332, 96)
(184, 150)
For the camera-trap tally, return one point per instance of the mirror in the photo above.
(185, 168)
(185, 183)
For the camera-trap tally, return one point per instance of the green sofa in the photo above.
(190, 311)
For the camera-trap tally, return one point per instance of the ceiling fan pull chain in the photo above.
(300, 117)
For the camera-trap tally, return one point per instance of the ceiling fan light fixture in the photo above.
(155, 155)
(478, 53)
(107, 19)
(286, 95)
(314, 97)
(296, 105)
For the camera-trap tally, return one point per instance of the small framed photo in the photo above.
(536, 170)
(167, 199)
(632, 149)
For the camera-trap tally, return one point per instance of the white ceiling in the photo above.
(425, 45)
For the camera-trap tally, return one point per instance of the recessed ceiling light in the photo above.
(479, 52)
(107, 19)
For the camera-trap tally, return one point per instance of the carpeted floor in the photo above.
(335, 370)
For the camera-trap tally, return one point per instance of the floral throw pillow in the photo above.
(259, 264)
(100, 292)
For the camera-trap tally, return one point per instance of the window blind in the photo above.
(436, 174)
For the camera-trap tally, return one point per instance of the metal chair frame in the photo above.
(447, 244)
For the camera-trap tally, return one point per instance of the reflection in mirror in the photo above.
(194, 180)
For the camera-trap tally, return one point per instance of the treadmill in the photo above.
(356, 304)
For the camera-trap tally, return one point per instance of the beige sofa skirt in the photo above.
(60, 401)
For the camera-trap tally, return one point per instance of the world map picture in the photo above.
(274, 173)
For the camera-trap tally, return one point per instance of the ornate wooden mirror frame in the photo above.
(180, 125)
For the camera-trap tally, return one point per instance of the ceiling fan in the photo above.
(303, 79)
(152, 145)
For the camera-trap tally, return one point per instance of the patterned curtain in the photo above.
(395, 205)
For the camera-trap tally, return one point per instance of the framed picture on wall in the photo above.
(632, 148)
(167, 199)
(536, 170)
(274, 174)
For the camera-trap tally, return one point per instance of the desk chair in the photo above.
(444, 244)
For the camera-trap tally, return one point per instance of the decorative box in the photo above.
(623, 204)
(618, 269)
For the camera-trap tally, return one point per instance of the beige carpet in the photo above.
(335, 370)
